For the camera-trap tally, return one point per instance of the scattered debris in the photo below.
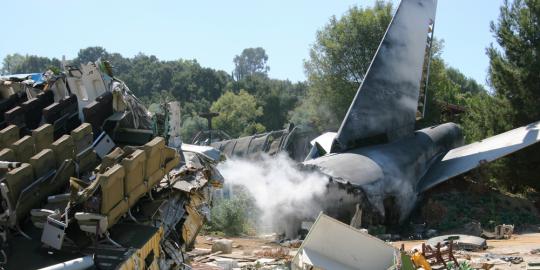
(331, 244)
(463, 242)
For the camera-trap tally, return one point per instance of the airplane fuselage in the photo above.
(391, 170)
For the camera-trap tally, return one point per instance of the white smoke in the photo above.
(284, 194)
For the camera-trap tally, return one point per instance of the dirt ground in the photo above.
(244, 244)
(517, 246)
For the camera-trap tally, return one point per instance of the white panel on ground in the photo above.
(331, 244)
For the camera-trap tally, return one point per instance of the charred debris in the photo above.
(90, 178)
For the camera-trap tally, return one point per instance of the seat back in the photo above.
(23, 148)
(9, 135)
(96, 112)
(43, 136)
(112, 188)
(15, 116)
(32, 112)
(43, 163)
(16, 180)
(134, 180)
(63, 149)
(82, 137)
(7, 154)
(111, 158)
(153, 150)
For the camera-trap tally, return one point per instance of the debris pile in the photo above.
(86, 179)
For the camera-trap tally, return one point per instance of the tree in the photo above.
(252, 61)
(338, 62)
(16, 63)
(11, 63)
(514, 74)
(237, 114)
(90, 54)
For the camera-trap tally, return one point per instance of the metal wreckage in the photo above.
(89, 179)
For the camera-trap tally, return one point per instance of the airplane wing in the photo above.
(468, 157)
(384, 108)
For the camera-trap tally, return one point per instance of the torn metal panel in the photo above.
(208, 152)
(331, 244)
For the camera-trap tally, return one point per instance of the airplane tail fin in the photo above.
(386, 104)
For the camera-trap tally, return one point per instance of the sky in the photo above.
(213, 32)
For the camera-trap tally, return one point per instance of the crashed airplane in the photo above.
(376, 156)
(87, 180)
(376, 151)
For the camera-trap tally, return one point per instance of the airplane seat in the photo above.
(110, 159)
(15, 116)
(70, 109)
(82, 137)
(14, 183)
(43, 136)
(113, 203)
(23, 149)
(43, 163)
(32, 112)
(44, 168)
(45, 98)
(63, 149)
(154, 160)
(52, 115)
(87, 160)
(134, 187)
(9, 135)
(98, 110)
(7, 154)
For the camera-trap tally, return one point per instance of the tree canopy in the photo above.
(252, 61)
(514, 74)
(238, 114)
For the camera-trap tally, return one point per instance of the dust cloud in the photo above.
(283, 192)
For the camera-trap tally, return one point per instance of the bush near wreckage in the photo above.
(231, 216)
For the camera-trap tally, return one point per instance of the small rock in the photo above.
(223, 245)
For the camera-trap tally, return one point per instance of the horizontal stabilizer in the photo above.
(468, 157)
